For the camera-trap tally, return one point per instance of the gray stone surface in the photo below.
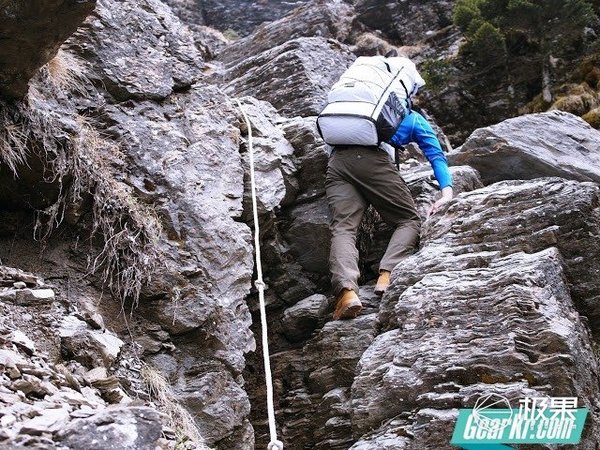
(305, 66)
(31, 34)
(276, 185)
(555, 143)
(302, 319)
(405, 22)
(325, 18)
(90, 347)
(308, 235)
(501, 307)
(125, 39)
(242, 16)
(310, 156)
(115, 428)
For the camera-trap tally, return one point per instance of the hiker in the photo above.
(363, 175)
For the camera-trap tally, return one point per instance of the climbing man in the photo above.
(363, 175)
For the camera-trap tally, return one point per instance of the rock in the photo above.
(125, 39)
(274, 169)
(516, 149)
(9, 358)
(324, 18)
(76, 399)
(184, 159)
(11, 275)
(239, 17)
(308, 235)
(89, 347)
(302, 319)
(310, 156)
(334, 352)
(19, 285)
(96, 374)
(405, 23)
(50, 421)
(31, 36)
(89, 313)
(513, 216)
(314, 383)
(135, 428)
(502, 303)
(148, 344)
(219, 404)
(32, 385)
(306, 66)
(31, 297)
(19, 338)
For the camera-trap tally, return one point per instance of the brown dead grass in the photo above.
(179, 419)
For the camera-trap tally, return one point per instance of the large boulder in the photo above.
(555, 143)
(308, 67)
(519, 312)
(325, 18)
(510, 217)
(275, 182)
(125, 39)
(308, 235)
(31, 33)
(405, 22)
(136, 428)
(240, 16)
(310, 156)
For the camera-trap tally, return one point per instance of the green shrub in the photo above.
(436, 73)
(487, 47)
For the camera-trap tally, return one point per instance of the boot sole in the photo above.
(349, 311)
(380, 290)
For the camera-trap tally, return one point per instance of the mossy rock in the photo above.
(577, 99)
(593, 118)
(537, 105)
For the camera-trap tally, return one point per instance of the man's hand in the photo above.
(447, 195)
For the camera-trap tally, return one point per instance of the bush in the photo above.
(437, 73)
(464, 13)
(487, 46)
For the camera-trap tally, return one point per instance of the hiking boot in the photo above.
(348, 305)
(382, 282)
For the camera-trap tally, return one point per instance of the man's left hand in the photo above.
(447, 195)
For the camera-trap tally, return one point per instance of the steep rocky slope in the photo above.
(131, 156)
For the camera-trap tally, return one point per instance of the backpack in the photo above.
(369, 101)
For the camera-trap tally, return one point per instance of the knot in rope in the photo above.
(260, 284)
(275, 445)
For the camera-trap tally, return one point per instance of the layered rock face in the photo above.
(406, 23)
(501, 296)
(240, 16)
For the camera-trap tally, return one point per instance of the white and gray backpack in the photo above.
(366, 105)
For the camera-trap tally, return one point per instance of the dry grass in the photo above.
(67, 72)
(179, 419)
(78, 160)
(13, 144)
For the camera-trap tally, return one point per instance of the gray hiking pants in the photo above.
(356, 177)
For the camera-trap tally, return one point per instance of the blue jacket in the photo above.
(415, 128)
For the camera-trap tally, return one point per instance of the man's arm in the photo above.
(417, 129)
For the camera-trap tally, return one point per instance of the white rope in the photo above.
(260, 285)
